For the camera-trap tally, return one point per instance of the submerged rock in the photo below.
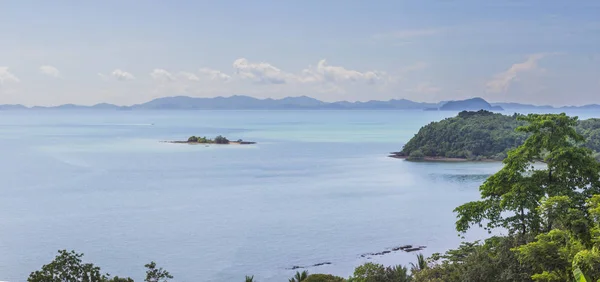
(314, 265)
(406, 248)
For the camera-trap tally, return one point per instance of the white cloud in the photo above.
(162, 75)
(122, 75)
(266, 73)
(215, 74)
(260, 72)
(6, 76)
(502, 81)
(189, 76)
(327, 73)
(50, 70)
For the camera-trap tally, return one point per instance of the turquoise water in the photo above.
(318, 187)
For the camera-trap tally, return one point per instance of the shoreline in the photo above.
(441, 159)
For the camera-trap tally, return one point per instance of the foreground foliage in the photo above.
(69, 267)
(551, 212)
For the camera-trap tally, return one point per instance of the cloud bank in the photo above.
(6, 76)
(50, 71)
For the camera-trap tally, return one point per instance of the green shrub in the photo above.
(499, 156)
(193, 139)
(324, 278)
(374, 272)
(221, 140)
(416, 155)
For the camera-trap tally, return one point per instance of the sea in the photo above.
(318, 187)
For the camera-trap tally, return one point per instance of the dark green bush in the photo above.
(324, 278)
(416, 155)
(221, 140)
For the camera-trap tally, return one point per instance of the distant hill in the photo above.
(517, 106)
(401, 104)
(473, 104)
(240, 102)
(229, 103)
(12, 107)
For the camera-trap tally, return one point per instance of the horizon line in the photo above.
(301, 96)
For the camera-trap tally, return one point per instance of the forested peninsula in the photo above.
(481, 136)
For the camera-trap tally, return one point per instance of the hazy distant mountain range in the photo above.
(301, 103)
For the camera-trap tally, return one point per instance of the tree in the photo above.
(570, 245)
(368, 272)
(193, 139)
(396, 273)
(491, 260)
(221, 140)
(420, 265)
(249, 278)
(154, 274)
(69, 267)
(300, 276)
(511, 196)
(371, 272)
(551, 255)
(589, 262)
(323, 278)
(416, 155)
(550, 210)
(118, 279)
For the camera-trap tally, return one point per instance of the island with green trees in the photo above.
(220, 140)
(548, 217)
(480, 136)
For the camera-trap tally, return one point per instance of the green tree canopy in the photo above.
(324, 278)
(468, 135)
(69, 267)
(511, 196)
(483, 135)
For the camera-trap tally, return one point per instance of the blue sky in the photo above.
(125, 52)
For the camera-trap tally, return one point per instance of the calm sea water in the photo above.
(318, 187)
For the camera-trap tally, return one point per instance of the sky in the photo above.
(127, 52)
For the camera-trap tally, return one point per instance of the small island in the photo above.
(220, 140)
